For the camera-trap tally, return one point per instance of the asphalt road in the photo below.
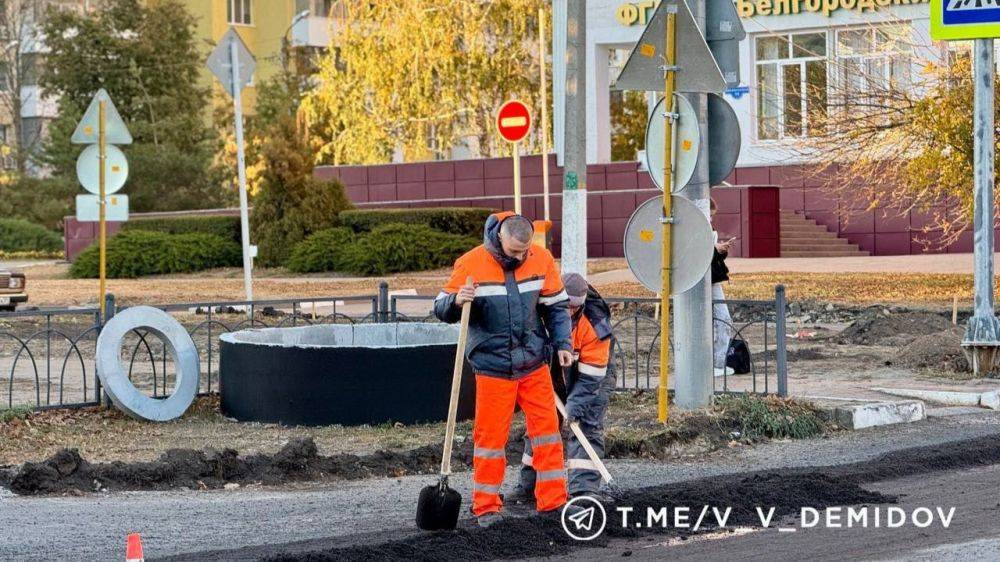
(248, 523)
(972, 533)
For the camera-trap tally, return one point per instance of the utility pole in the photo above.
(693, 381)
(574, 209)
(982, 335)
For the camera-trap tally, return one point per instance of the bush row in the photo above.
(223, 226)
(18, 235)
(465, 221)
(389, 248)
(136, 253)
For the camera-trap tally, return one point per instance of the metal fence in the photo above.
(759, 323)
(47, 356)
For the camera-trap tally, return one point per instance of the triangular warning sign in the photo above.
(88, 129)
(697, 71)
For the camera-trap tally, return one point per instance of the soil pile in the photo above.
(879, 326)
(67, 472)
(786, 490)
(940, 351)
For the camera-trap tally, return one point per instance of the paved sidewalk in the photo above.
(922, 263)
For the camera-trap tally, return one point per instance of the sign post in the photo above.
(954, 20)
(545, 114)
(233, 65)
(514, 124)
(101, 124)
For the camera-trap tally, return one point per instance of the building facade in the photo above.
(266, 26)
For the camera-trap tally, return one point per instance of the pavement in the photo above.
(248, 523)
(972, 534)
(922, 263)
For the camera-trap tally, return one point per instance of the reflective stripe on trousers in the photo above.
(495, 400)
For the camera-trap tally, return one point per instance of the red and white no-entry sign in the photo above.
(513, 121)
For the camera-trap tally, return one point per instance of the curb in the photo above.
(861, 416)
(989, 399)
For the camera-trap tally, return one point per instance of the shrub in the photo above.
(223, 226)
(466, 221)
(291, 203)
(18, 235)
(394, 248)
(138, 252)
(322, 251)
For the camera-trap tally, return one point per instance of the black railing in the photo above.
(47, 356)
(760, 323)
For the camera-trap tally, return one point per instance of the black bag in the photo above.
(738, 356)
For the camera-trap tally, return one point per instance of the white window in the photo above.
(791, 84)
(872, 62)
(238, 12)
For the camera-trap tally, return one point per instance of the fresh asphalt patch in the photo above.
(786, 490)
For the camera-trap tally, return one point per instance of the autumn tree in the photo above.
(422, 77)
(144, 54)
(629, 118)
(897, 136)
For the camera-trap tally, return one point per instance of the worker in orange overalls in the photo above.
(518, 316)
(589, 384)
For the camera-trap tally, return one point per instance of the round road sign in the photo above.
(687, 139)
(691, 244)
(723, 139)
(513, 121)
(115, 169)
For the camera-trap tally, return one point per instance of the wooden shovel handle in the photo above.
(575, 428)
(456, 384)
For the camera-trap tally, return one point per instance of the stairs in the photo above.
(804, 238)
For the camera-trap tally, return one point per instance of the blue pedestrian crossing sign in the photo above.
(965, 19)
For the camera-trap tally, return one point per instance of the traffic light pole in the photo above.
(693, 384)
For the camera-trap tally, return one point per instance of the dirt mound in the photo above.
(941, 350)
(880, 326)
(786, 490)
(67, 472)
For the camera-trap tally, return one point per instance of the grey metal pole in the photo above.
(693, 359)
(781, 351)
(242, 172)
(982, 335)
(574, 209)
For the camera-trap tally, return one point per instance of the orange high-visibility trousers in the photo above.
(495, 399)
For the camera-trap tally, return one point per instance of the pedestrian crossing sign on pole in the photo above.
(965, 19)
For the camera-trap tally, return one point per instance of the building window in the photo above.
(872, 62)
(3, 134)
(791, 84)
(238, 12)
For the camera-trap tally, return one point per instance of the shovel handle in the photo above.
(575, 428)
(456, 384)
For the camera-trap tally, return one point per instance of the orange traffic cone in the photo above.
(133, 548)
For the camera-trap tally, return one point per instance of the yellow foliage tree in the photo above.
(422, 76)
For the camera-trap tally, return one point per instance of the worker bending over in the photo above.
(589, 384)
(518, 315)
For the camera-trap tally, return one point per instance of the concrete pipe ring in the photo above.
(178, 344)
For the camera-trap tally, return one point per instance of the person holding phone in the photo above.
(721, 318)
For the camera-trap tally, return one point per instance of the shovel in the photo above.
(438, 506)
(585, 443)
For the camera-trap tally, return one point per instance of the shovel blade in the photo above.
(438, 508)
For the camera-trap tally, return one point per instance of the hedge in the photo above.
(224, 226)
(394, 248)
(18, 235)
(322, 251)
(139, 252)
(465, 221)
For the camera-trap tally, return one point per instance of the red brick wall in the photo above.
(613, 193)
(882, 231)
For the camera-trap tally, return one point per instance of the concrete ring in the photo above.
(115, 380)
